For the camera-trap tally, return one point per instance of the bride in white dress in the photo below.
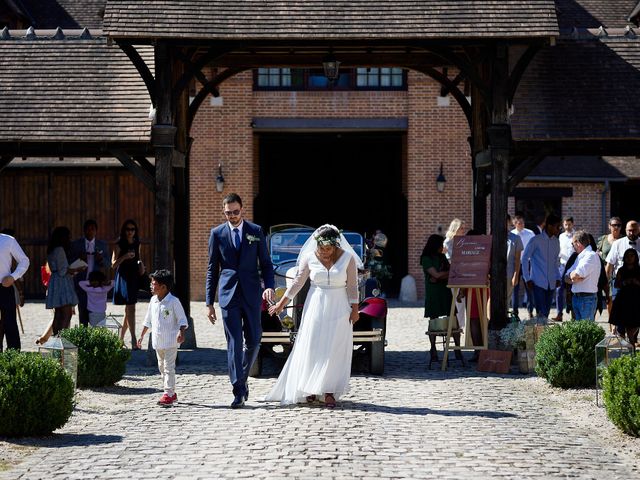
(320, 363)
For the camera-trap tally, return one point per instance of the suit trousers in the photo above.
(243, 331)
(8, 323)
(83, 313)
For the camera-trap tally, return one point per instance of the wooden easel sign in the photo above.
(470, 265)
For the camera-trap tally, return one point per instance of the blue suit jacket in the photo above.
(229, 267)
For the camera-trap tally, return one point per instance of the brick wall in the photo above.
(436, 134)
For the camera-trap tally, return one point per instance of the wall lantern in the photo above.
(219, 179)
(440, 180)
(607, 350)
(111, 324)
(331, 68)
(64, 352)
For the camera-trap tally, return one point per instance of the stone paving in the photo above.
(409, 423)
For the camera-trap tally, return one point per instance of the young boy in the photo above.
(167, 321)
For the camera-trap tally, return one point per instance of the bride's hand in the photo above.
(354, 317)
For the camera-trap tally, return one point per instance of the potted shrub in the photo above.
(565, 354)
(36, 394)
(513, 337)
(621, 392)
(102, 357)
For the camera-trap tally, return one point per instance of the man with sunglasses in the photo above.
(614, 258)
(238, 262)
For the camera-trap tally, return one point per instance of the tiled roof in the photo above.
(330, 19)
(577, 167)
(71, 90)
(581, 89)
(65, 13)
(628, 166)
(594, 13)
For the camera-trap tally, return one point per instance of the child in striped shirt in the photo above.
(167, 321)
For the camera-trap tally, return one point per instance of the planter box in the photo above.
(527, 361)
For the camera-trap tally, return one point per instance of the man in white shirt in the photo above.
(584, 275)
(540, 265)
(9, 251)
(614, 258)
(525, 235)
(566, 250)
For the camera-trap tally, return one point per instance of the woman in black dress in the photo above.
(624, 312)
(128, 266)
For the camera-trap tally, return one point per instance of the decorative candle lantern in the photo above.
(607, 350)
(64, 352)
(112, 324)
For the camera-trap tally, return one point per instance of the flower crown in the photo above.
(326, 240)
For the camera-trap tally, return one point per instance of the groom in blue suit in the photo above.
(236, 249)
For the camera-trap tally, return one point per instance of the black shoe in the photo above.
(238, 402)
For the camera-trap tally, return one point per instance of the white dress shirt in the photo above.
(9, 251)
(618, 248)
(239, 227)
(90, 248)
(525, 235)
(587, 265)
(540, 261)
(566, 247)
(164, 318)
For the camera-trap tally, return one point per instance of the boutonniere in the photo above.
(252, 238)
(165, 312)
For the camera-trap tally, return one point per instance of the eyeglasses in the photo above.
(130, 229)
(615, 225)
(232, 213)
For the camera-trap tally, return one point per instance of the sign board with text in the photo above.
(470, 261)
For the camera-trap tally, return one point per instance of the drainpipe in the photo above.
(604, 206)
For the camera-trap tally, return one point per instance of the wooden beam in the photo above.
(520, 171)
(455, 92)
(164, 153)
(4, 161)
(499, 134)
(141, 174)
(142, 67)
(519, 69)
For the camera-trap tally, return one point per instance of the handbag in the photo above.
(45, 274)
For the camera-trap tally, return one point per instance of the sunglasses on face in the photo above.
(615, 225)
(130, 229)
(232, 213)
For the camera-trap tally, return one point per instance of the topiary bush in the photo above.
(621, 392)
(36, 394)
(565, 354)
(101, 356)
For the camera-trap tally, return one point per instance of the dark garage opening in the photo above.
(353, 180)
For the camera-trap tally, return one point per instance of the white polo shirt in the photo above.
(618, 248)
(588, 266)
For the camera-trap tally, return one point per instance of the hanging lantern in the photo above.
(64, 352)
(607, 350)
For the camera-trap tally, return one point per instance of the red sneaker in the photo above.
(166, 400)
(175, 397)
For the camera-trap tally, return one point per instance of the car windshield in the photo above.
(286, 245)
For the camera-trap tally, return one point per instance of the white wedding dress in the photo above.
(320, 361)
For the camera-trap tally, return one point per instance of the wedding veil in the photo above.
(311, 244)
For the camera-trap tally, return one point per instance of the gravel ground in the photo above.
(581, 425)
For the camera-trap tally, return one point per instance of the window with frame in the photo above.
(314, 79)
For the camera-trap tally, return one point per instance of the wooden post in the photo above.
(163, 140)
(181, 224)
(499, 134)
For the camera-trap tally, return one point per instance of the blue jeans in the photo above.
(560, 298)
(584, 306)
(542, 299)
(528, 297)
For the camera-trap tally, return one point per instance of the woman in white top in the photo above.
(320, 362)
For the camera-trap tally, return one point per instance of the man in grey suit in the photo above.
(93, 251)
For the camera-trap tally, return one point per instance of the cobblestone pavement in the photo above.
(409, 423)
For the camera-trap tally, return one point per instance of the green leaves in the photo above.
(621, 392)
(101, 357)
(36, 394)
(565, 354)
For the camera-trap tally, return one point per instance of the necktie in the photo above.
(236, 238)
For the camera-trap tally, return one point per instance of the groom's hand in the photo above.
(211, 315)
(269, 295)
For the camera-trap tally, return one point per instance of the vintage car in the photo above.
(285, 242)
